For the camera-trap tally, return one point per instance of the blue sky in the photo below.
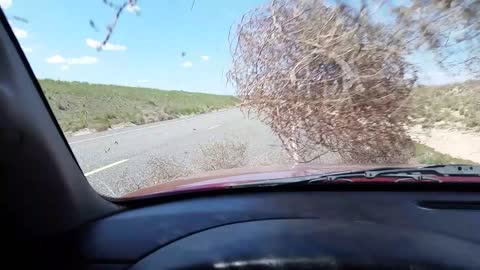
(145, 49)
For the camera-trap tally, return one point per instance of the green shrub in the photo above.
(435, 104)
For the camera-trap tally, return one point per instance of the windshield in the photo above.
(193, 92)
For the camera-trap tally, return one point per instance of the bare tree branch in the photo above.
(119, 8)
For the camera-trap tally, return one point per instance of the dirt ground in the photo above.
(460, 144)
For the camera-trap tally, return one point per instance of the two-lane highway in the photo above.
(117, 161)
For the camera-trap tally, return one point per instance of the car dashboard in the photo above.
(289, 230)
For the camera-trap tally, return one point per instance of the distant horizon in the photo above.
(190, 91)
(131, 86)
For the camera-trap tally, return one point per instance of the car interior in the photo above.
(53, 219)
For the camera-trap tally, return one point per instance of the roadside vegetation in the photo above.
(80, 105)
(448, 106)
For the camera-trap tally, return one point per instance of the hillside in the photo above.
(449, 106)
(79, 105)
(447, 120)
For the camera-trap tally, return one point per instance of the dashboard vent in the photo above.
(453, 205)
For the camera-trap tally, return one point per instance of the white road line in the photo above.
(129, 131)
(212, 127)
(106, 167)
(108, 188)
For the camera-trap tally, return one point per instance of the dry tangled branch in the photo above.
(131, 5)
(118, 8)
(216, 155)
(448, 28)
(220, 155)
(163, 169)
(325, 78)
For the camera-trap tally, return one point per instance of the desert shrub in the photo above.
(473, 123)
(163, 169)
(100, 126)
(453, 104)
(217, 155)
(325, 77)
(222, 155)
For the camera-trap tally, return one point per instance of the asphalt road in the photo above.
(119, 161)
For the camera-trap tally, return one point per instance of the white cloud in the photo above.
(205, 57)
(84, 60)
(19, 33)
(64, 67)
(439, 77)
(56, 59)
(107, 47)
(133, 8)
(27, 49)
(187, 64)
(5, 3)
(92, 43)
